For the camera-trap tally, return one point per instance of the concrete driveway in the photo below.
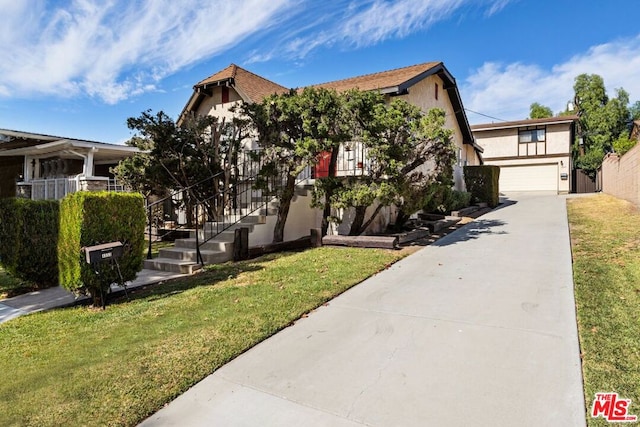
(478, 329)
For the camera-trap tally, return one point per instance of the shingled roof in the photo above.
(253, 88)
(250, 86)
(522, 123)
(385, 81)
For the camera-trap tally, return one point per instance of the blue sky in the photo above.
(80, 68)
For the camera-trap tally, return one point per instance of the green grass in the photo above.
(84, 366)
(605, 235)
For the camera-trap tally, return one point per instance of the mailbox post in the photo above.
(102, 254)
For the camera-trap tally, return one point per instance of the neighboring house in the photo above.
(533, 155)
(40, 166)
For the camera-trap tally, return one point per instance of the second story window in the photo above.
(436, 91)
(532, 141)
(531, 135)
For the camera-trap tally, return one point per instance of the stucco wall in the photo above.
(501, 148)
(620, 175)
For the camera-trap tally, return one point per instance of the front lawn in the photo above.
(83, 366)
(605, 240)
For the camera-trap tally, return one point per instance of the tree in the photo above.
(538, 111)
(200, 157)
(293, 128)
(408, 151)
(603, 120)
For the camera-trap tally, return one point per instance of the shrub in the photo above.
(28, 240)
(443, 198)
(92, 218)
(482, 183)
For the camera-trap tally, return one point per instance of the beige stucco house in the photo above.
(533, 155)
(428, 85)
(41, 166)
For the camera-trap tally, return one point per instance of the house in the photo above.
(426, 85)
(533, 155)
(40, 166)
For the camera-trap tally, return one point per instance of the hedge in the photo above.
(93, 218)
(28, 240)
(482, 183)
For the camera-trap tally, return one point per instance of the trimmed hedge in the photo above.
(93, 218)
(482, 183)
(29, 239)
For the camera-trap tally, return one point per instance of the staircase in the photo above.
(216, 239)
(182, 258)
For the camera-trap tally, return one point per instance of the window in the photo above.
(531, 135)
(225, 94)
(436, 91)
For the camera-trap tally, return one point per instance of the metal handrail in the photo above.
(195, 203)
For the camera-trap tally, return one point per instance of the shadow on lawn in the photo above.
(211, 275)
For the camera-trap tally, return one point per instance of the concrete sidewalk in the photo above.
(477, 329)
(56, 297)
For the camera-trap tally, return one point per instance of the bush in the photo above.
(90, 218)
(29, 239)
(482, 183)
(443, 199)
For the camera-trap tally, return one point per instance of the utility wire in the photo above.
(485, 115)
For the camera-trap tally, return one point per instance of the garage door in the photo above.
(529, 178)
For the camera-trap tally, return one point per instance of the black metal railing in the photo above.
(240, 195)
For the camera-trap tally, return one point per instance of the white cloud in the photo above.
(116, 49)
(363, 23)
(506, 91)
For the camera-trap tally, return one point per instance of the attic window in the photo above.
(436, 91)
(225, 94)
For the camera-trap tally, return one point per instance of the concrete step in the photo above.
(211, 230)
(184, 254)
(223, 242)
(171, 265)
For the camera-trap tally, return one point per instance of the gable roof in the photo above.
(399, 80)
(251, 87)
(523, 123)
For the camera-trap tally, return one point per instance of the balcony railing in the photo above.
(57, 188)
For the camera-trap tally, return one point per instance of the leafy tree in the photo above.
(538, 111)
(623, 144)
(408, 152)
(602, 120)
(201, 155)
(293, 128)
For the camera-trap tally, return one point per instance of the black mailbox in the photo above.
(103, 253)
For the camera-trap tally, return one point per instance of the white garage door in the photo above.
(529, 178)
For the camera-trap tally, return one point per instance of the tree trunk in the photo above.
(326, 212)
(358, 219)
(356, 231)
(283, 209)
